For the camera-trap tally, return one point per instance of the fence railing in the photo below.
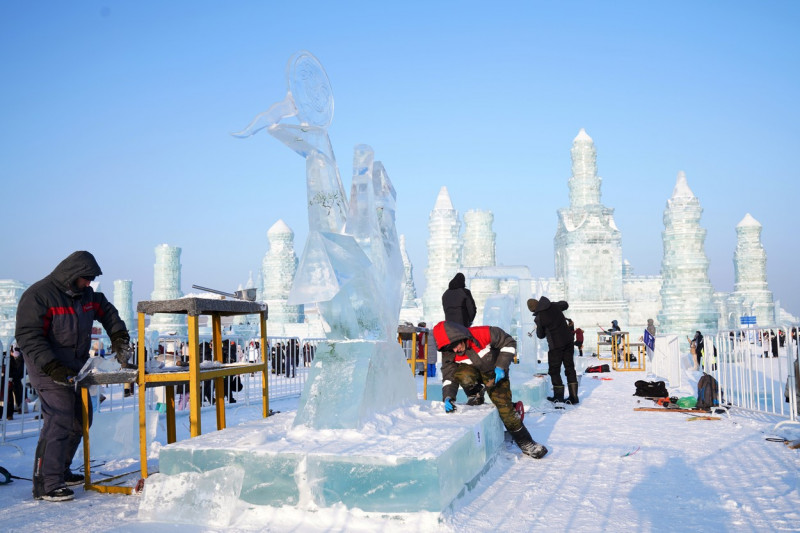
(288, 358)
(757, 369)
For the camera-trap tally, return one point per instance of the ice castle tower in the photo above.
(411, 309)
(750, 267)
(480, 251)
(278, 269)
(123, 301)
(444, 255)
(588, 246)
(687, 297)
(167, 286)
(10, 292)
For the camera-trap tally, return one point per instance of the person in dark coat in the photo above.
(478, 359)
(16, 375)
(552, 324)
(458, 303)
(54, 332)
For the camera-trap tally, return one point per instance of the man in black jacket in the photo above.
(54, 331)
(551, 323)
(457, 302)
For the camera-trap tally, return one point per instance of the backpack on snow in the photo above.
(707, 392)
(651, 389)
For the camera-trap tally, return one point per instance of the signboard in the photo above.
(649, 340)
(747, 320)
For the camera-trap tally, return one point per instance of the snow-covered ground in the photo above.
(610, 468)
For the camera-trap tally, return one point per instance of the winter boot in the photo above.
(529, 447)
(558, 394)
(73, 479)
(475, 394)
(58, 495)
(573, 393)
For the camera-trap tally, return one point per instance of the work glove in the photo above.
(60, 373)
(121, 346)
(449, 406)
(499, 374)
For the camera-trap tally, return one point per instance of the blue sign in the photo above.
(649, 340)
(747, 320)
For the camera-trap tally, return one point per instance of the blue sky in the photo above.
(116, 119)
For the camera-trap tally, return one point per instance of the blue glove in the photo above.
(448, 405)
(499, 374)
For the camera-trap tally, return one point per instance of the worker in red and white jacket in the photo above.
(478, 360)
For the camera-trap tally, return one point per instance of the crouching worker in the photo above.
(477, 359)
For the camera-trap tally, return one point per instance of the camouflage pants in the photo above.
(471, 379)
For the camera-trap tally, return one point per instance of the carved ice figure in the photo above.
(351, 266)
(356, 299)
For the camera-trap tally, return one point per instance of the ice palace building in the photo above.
(591, 274)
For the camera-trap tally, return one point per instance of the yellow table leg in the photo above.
(195, 394)
(265, 368)
(85, 403)
(142, 406)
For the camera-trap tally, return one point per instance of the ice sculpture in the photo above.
(750, 267)
(411, 309)
(10, 292)
(687, 303)
(167, 286)
(479, 251)
(351, 266)
(409, 289)
(278, 270)
(123, 301)
(444, 255)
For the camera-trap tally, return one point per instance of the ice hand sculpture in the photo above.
(309, 100)
(309, 97)
(351, 265)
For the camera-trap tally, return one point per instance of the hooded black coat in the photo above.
(457, 301)
(551, 323)
(54, 319)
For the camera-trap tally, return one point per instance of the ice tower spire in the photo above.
(588, 246)
(479, 251)
(750, 267)
(584, 185)
(409, 290)
(278, 269)
(123, 301)
(687, 303)
(444, 254)
(167, 286)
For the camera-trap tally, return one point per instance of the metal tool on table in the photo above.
(245, 294)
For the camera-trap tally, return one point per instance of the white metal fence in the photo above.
(288, 358)
(757, 369)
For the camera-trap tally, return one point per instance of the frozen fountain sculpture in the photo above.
(351, 266)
